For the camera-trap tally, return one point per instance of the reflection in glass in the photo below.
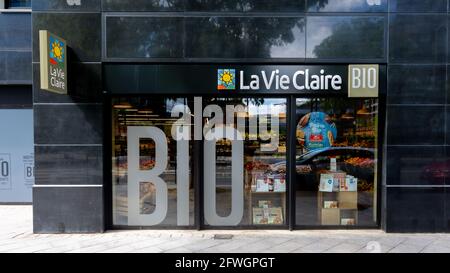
(218, 37)
(144, 37)
(336, 162)
(246, 5)
(139, 112)
(143, 5)
(332, 37)
(276, 37)
(347, 5)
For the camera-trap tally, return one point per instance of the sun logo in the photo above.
(226, 79)
(56, 52)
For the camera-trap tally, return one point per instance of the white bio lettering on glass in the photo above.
(137, 176)
(217, 126)
(237, 177)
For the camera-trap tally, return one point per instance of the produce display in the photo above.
(361, 162)
(256, 166)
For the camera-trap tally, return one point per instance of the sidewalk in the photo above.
(16, 236)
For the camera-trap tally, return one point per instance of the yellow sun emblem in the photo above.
(226, 77)
(57, 50)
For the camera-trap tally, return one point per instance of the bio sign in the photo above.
(53, 59)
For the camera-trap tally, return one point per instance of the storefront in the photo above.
(148, 64)
(248, 146)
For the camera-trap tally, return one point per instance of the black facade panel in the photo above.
(415, 210)
(68, 124)
(415, 165)
(418, 5)
(68, 165)
(16, 97)
(84, 80)
(418, 38)
(18, 66)
(15, 31)
(81, 29)
(417, 84)
(415, 125)
(67, 210)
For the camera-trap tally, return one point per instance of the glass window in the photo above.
(150, 185)
(250, 180)
(336, 162)
(152, 37)
(347, 6)
(342, 37)
(18, 3)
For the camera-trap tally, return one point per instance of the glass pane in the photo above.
(336, 162)
(347, 6)
(150, 37)
(147, 190)
(260, 162)
(247, 5)
(340, 37)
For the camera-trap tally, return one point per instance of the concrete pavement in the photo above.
(16, 236)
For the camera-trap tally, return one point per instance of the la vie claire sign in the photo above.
(357, 80)
(53, 62)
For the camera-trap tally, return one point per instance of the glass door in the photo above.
(245, 181)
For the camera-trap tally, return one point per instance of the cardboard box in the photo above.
(348, 199)
(331, 217)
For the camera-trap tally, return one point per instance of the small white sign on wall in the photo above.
(16, 156)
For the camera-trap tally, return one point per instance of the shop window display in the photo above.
(336, 156)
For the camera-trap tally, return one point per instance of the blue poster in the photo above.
(318, 130)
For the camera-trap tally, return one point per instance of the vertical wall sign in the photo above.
(53, 58)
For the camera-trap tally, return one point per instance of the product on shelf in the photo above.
(280, 184)
(326, 182)
(338, 180)
(351, 184)
(330, 204)
(261, 184)
(259, 217)
(264, 203)
(348, 221)
(275, 216)
(267, 182)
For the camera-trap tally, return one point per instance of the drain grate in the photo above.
(223, 236)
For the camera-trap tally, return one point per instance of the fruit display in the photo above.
(256, 166)
(146, 164)
(361, 162)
